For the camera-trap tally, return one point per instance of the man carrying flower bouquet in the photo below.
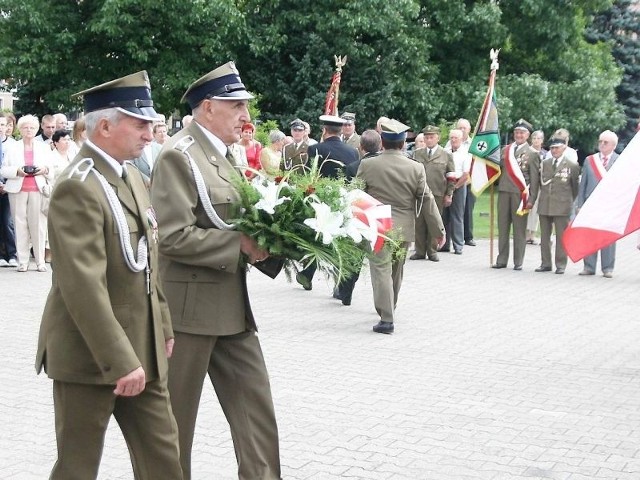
(203, 265)
(396, 180)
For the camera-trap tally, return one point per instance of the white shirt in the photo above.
(462, 161)
(217, 143)
(117, 166)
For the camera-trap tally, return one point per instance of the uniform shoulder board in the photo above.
(184, 143)
(81, 169)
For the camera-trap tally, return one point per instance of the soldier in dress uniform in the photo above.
(438, 166)
(396, 180)
(517, 192)
(559, 183)
(203, 263)
(295, 153)
(106, 332)
(349, 134)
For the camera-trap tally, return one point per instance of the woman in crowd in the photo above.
(252, 148)
(62, 151)
(271, 156)
(537, 138)
(28, 168)
(11, 124)
(79, 133)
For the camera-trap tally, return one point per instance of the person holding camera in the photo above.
(28, 169)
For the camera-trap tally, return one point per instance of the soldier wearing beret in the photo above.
(438, 166)
(517, 193)
(396, 180)
(295, 153)
(106, 332)
(203, 263)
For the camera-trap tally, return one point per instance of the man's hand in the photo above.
(131, 384)
(440, 241)
(168, 347)
(447, 200)
(250, 248)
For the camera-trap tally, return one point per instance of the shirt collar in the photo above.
(217, 143)
(117, 166)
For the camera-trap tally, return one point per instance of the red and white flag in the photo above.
(612, 211)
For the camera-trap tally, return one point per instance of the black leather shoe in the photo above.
(304, 281)
(471, 242)
(559, 271)
(458, 252)
(346, 301)
(543, 269)
(415, 256)
(498, 265)
(383, 327)
(434, 258)
(517, 267)
(445, 249)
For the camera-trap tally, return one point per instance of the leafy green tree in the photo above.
(53, 49)
(619, 26)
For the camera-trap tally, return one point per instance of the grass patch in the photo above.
(481, 215)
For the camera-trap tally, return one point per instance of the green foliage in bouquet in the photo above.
(303, 217)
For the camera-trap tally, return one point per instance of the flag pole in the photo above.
(491, 222)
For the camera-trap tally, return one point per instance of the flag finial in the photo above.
(340, 62)
(493, 55)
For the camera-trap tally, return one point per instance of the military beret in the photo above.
(522, 124)
(332, 120)
(431, 129)
(393, 130)
(223, 83)
(130, 94)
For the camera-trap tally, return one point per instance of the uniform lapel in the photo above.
(217, 159)
(122, 190)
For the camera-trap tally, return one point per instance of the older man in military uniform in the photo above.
(438, 166)
(203, 263)
(559, 184)
(517, 192)
(295, 154)
(349, 134)
(396, 180)
(106, 332)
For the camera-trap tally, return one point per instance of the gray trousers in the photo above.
(454, 221)
(607, 259)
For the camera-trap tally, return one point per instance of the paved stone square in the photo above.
(491, 374)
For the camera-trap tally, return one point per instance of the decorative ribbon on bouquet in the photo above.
(374, 214)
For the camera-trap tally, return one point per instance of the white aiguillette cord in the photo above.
(182, 145)
(121, 220)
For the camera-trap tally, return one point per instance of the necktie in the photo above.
(232, 160)
(555, 164)
(605, 160)
(429, 153)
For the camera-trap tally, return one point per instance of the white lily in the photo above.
(270, 195)
(326, 223)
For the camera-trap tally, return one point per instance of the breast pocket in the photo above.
(223, 199)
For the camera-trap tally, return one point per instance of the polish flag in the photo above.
(612, 211)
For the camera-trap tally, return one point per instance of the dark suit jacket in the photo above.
(99, 322)
(331, 150)
(201, 266)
